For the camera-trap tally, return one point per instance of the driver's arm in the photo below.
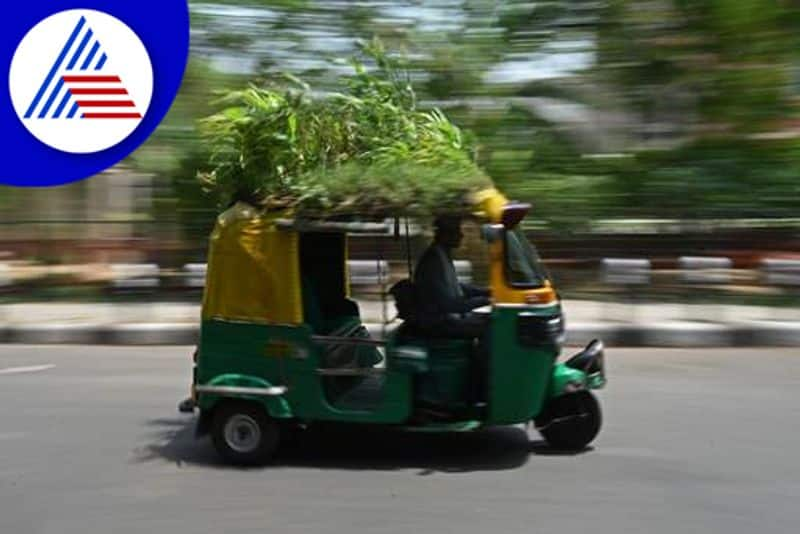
(432, 287)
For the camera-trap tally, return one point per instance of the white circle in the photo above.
(106, 107)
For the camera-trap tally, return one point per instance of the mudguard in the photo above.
(238, 386)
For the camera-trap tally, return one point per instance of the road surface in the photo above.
(693, 441)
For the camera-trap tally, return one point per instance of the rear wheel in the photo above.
(243, 433)
(570, 421)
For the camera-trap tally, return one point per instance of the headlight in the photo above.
(539, 330)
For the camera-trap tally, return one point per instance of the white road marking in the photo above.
(28, 369)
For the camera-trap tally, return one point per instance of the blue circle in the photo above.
(162, 26)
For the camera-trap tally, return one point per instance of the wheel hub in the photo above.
(242, 433)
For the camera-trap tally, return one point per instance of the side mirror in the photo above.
(492, 232)
(514, 212)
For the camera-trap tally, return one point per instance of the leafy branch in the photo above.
(365, 150)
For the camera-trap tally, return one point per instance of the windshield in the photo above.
(523, 266)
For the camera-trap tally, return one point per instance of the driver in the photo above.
(445, 305)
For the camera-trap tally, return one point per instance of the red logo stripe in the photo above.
(106, 103)
(112, 116)
(92, 79)
(98, 91)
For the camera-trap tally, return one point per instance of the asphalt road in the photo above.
(694, 441)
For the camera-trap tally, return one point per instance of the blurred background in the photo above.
(658, 141)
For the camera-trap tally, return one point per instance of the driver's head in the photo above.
(448, 231)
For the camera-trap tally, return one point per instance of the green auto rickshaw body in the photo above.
(279, 331)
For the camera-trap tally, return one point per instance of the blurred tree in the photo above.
(712, 84)
(175, 155)
(616, 108)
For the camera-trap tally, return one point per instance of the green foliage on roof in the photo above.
(365, 150)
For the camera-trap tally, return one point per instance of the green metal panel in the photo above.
(447, 381)
(563, 375)
(285, 356)
(257, 350)
(519, 376)
(276, 405)
(596, 381)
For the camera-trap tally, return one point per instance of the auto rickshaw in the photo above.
(282, 345)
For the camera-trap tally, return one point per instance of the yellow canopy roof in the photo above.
(253, 270)
(253, 266)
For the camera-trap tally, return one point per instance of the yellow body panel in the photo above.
(253, 269)
(503, 293)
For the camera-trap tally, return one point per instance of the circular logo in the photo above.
(81, 81)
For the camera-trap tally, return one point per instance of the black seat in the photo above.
(404, 293)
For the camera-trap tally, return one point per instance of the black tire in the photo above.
(243, 433)
(571, 421)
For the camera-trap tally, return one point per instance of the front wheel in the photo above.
(570, 421)
(243, 433)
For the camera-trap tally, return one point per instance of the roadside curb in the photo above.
(667, 334)
(153, 334)
(54, 334)
(685, 334)
(769, 333)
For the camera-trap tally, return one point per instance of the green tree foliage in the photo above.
(719, 75)
(702, 95)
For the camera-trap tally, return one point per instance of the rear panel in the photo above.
(285, 356)
(273, 353)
